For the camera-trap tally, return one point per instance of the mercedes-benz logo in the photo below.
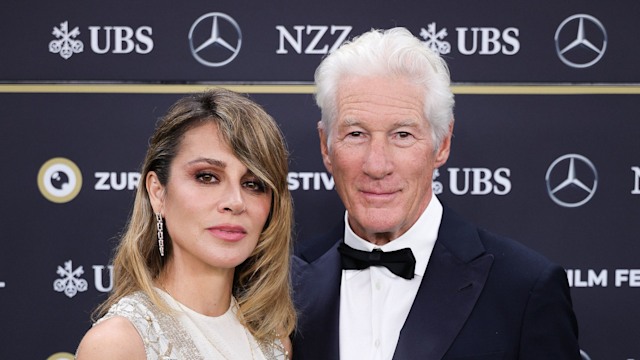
(571, 180)
(215, 39)
(581, 41)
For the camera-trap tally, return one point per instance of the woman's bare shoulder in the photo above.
(113, 338)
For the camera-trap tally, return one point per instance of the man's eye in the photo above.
(403, 139)
(355, 134)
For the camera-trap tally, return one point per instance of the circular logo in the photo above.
(61, 356)
(571, 180)
(581, 41)
(215, 39)
(59, 180)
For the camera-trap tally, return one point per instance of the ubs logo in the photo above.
(581, 41)
(215, 39)
(59, 180)
(71, 281)
(66, 43)
(571, 180)
(104, 40)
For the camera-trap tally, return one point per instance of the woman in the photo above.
(202, 269)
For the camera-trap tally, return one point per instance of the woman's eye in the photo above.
(206, 178)
(255, 185)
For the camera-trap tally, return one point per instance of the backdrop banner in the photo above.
(546, 143)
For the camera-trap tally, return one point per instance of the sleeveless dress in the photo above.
(188, 335)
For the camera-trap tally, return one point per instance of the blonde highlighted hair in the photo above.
(261, 283)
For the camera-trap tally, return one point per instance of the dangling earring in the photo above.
(160, 226)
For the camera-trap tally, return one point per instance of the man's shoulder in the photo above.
(313, 247)
(513, 252)
(507, 252)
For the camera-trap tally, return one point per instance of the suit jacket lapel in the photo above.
(455, 276)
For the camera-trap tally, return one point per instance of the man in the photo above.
(463, 293)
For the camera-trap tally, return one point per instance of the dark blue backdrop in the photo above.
(527, 103)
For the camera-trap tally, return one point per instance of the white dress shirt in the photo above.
(374, 303)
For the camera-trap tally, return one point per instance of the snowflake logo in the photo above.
(435, 40)
(70, 282)
(436, 185)
(66, 44)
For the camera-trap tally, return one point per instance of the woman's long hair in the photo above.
(261, 283)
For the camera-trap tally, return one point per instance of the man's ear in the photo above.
(324, 148)
(156, 191)
(445, 147)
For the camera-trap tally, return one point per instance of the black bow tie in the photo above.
(400, 262)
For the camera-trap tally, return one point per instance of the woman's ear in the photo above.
(155, 190)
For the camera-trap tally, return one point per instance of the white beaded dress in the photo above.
(185, 334)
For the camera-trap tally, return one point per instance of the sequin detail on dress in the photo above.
(163, 336)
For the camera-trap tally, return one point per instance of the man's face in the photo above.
(382, 155)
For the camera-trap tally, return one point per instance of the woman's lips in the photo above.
(228, 232)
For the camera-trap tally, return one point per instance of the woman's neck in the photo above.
(206, 292)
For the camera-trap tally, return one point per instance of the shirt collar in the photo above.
(420, 238)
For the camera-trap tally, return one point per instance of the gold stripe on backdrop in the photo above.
(463, 89)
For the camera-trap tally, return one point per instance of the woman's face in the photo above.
(214, 208)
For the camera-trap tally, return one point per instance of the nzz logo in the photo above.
(103, 40)
(315, 36)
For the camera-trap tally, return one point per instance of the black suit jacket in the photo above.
(482, 297)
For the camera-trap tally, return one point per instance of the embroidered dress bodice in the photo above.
(186, 334)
